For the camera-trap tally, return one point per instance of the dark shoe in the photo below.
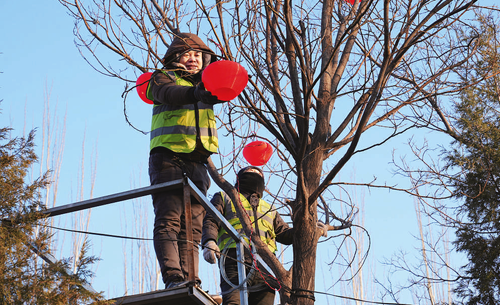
(175, 282)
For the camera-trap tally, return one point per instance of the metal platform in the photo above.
(174, 296)
(185, 295)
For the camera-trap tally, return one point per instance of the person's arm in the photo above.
(284, 234)
(211, 225)
(166, 91)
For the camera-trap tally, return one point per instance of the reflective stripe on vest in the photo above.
(174, 126)
(265, 217)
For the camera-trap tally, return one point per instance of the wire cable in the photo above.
(285, 287)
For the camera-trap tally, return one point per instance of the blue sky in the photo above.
(38, 57)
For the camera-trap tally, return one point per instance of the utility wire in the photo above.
(247, 265)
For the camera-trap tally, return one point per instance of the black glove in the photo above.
(205, 96)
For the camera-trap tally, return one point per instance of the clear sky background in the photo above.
(40, 63)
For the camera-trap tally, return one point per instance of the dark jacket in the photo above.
(211, 225)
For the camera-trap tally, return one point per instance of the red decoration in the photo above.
(352, 1)
(257, 153)
(142, 86)
(225, 79)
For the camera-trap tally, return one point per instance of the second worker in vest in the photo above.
(183, 136)
(266, 221)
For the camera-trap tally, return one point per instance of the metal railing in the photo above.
(189, 189)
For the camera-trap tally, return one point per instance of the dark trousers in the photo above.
(259, 292)
(169, 228)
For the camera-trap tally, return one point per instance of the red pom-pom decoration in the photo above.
(257, 153)
(225, 79)
(142, 86)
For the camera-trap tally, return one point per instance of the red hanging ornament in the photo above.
(225, 79)
(257, 153)
(142, 86)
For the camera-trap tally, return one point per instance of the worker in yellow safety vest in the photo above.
(266, 221)
(183, 136)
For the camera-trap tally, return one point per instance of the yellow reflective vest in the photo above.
(176, 126)
(265, 216)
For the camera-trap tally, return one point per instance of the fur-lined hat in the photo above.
(185, 42)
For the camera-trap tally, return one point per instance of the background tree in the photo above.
(477, 157)
(24, 277)
(462, 194)
(322, 75)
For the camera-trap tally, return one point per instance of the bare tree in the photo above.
(471, 154)
(322, 75)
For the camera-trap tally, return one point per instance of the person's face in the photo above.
(192, 60)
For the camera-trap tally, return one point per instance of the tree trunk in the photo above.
(304, 222)
(304, 252)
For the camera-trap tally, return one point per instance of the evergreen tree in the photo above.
(24, 277)
(477, 156)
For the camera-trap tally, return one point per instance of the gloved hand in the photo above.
(205, 96)
(323, 228)
(210, 251)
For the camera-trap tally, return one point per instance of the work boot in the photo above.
(175, 281)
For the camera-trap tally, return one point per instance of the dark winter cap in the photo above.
(250, 180)
(185, 42)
